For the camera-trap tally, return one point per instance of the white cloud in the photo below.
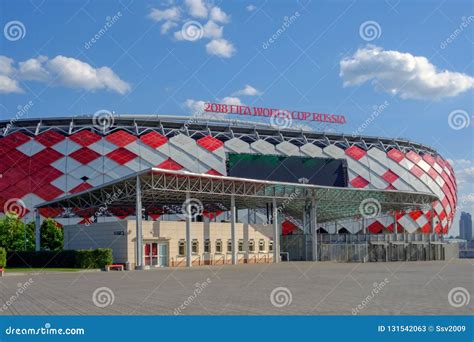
(167, 25)
(230, 100)
(33, 69)
(251, 8)
(169, 14)
(402, 74)
(247, 91)
(220, 47)
(6, 66)
(219, 15)
(8, 85)
(61, 70)
(197, 8)
(77, 74)
(196, 106)
(212, 30)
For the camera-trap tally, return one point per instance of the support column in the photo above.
(395, 222)
(314, 228)
(138, 215)
(189, 260)
(276, 233)
(37, 230)
(233, 233)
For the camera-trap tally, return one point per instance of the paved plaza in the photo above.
(290, 288)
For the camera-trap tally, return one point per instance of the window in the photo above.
(241, 246)
(218, 246)
(252, 246)
(195, 246)
(207, 246)
(261, 245)
(182, 247)
(270, 246)
(229, 246)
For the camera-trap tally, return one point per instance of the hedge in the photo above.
(3, 257)
(92, 258)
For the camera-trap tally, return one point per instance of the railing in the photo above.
(364, 238)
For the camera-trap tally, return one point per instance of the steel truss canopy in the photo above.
(164, 192)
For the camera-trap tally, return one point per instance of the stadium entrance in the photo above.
(193, 241)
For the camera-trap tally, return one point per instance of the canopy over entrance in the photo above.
(164, 191)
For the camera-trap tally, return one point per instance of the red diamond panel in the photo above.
(396, 155)
(169, 164)
(45, 175)
(417, 171)
(14, 140)
(355, 152)
(287, 227)
(153, 139)
(415, 214)
(390, 176)
(429, 159)
(121, 155)
(390, 187)
(49, 212)
(14, 157)
(121, 138)
(13, 175)
(48, 192)
(45, 157)
(376, 227)
(85, 138)
(413, 157)
(15, 192)
(426, 228)
(81, 187)
(49, 138)
(359, 182)
(210, 143)
(213, 172)
(432, 172)
(84, 155)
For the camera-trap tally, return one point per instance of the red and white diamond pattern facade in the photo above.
(42, 167)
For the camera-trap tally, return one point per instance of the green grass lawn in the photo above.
(27, 269)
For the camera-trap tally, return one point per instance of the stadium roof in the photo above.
(164, 191)
(141, 123)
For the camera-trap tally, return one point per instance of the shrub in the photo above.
(97, 258)
(3, 257)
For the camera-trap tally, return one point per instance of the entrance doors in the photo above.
(156, 254)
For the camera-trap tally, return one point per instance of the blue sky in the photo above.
(321, 60)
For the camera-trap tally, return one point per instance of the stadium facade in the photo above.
(49, 158)
(266, 190)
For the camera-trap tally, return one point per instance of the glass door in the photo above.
(151, 253)
(163, 254)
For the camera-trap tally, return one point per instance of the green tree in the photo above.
(12, 233)
(52, 237)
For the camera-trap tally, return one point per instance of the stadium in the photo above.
(216, 191)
